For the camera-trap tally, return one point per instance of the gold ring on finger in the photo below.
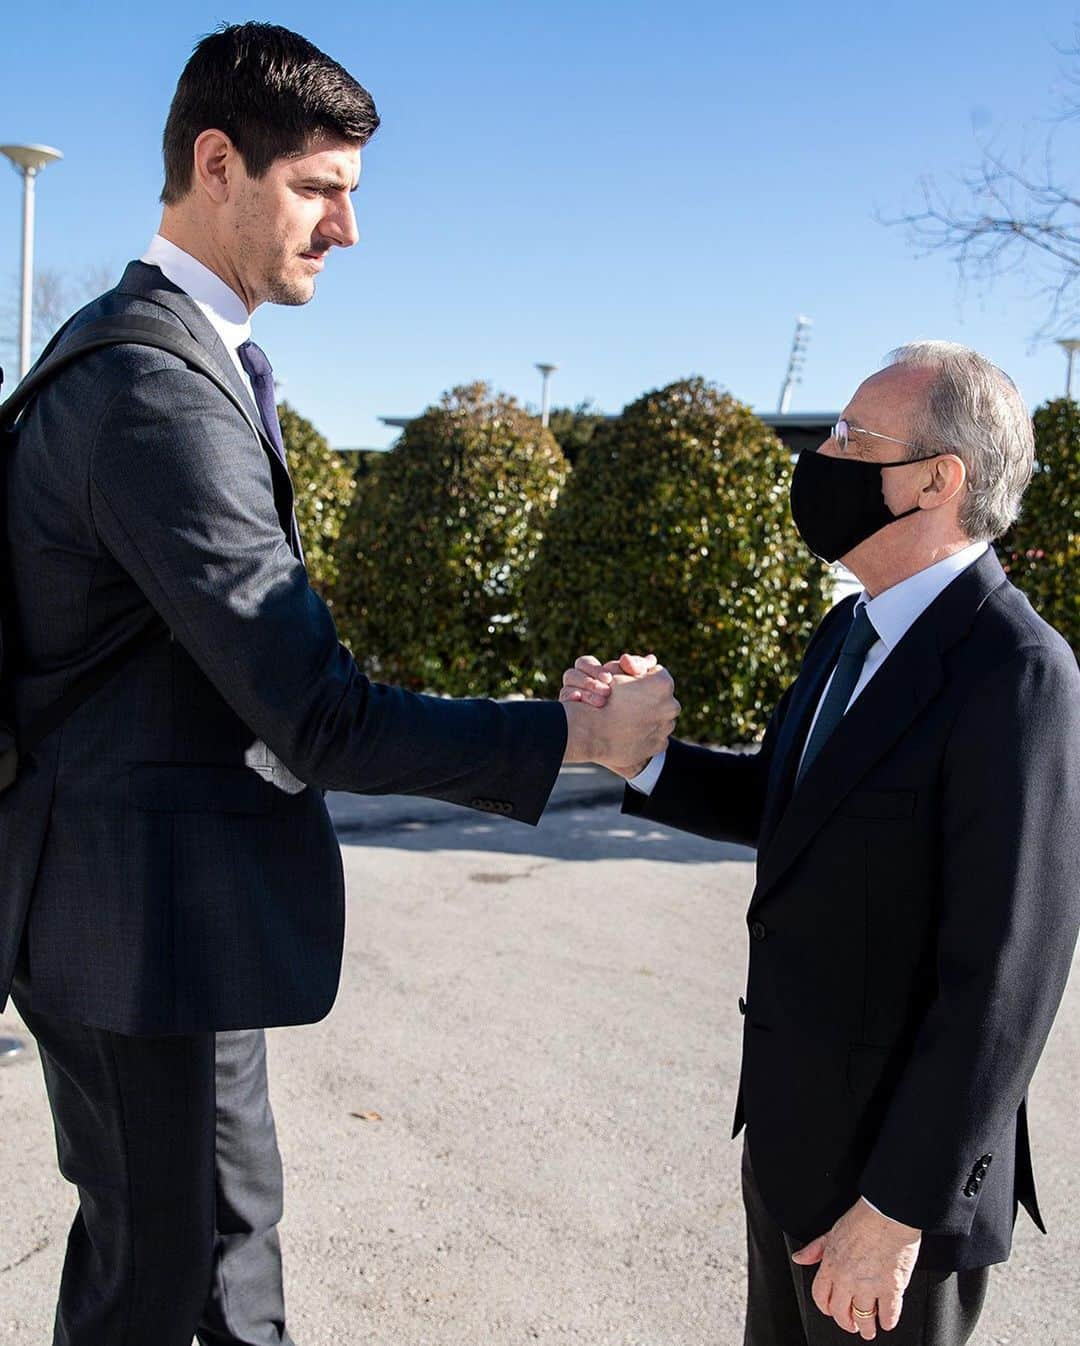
(863, 1313)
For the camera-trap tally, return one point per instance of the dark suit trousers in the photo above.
(171, 1144)
(941, 1308)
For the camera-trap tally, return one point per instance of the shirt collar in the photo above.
(894, 610)
(220, 305)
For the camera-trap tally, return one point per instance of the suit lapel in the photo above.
(148, 283)
(908, 680)
(805, 696)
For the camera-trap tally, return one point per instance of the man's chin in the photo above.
(292, 292)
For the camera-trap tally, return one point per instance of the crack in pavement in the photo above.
(38, 1247)
(501, 876)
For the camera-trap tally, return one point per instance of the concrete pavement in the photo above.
(544, 1021)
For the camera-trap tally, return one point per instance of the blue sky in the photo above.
(635, 192)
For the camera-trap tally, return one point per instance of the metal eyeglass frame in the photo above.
(842, 428)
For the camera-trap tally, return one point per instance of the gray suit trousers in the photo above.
(171, 1144)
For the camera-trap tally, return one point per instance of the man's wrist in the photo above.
(644, 782)
(629, 772)
(580, 740)
(898, 1223)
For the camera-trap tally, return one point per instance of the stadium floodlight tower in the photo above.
(29, 160)
(795, 362)
(546, 372)
(1070, 345)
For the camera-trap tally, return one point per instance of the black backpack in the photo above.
(101, 332)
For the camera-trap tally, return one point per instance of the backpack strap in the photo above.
(93, 336)
(118, 331)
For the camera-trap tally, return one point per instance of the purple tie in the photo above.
(257, 367)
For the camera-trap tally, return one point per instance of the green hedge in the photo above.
(574, 427)
(1042, 551)
(674, 535)
(437, 544)
(323, 485)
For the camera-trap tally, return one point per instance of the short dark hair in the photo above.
(270, 91)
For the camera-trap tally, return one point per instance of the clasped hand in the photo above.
(637, 697)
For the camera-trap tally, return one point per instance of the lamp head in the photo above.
(31, 158)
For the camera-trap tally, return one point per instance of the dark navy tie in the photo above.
(257, 367)
(848, 668)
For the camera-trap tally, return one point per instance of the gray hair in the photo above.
(975, 411)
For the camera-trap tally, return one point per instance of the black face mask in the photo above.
(838, 502)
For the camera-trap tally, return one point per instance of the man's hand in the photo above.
(638, 698)
(591, 681)
(866, 1261)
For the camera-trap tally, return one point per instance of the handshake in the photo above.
(619, 714)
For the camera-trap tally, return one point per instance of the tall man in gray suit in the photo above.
(170, 882)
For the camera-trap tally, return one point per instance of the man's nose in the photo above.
(340, 224)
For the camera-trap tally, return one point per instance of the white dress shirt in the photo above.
(222, 307)
(891, 613)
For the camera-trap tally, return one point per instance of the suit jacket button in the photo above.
(742, 1005)
(758, 930)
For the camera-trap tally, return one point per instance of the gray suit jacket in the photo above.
(166, 854)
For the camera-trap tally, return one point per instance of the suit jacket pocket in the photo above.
(878, 805)
(182, 788)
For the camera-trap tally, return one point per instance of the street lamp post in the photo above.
(1070, 345)
(545, 407)
(29, 160)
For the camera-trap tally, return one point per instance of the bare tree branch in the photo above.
(1010, 219)
(57, 295)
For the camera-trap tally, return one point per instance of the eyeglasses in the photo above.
(842, 429)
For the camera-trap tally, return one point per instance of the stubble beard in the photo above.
(293, 293)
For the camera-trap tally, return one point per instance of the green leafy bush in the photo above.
(673, 535)
(438, 541)
(1042, 551)
(323, 486)
(574, 427)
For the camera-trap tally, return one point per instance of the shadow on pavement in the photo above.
(588, 827)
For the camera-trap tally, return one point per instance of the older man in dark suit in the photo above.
(170, 882)
(916, 809)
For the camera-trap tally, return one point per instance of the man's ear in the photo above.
(948, 476)
(216, 162)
